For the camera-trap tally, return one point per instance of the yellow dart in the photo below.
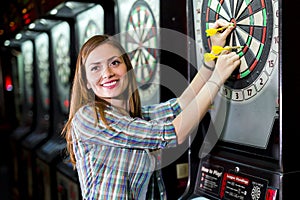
(213, 31)
(218, 49)
(209, 57)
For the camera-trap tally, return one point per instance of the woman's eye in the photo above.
(115, 63)
(95, 68)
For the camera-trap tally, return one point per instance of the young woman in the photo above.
(113, 140)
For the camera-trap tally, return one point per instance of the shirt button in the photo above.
(162, 194)
(158, 178)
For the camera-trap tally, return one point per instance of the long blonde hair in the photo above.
(81, 95)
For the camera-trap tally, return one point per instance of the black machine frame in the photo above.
(273, 167)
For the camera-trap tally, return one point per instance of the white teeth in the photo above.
(109, 84)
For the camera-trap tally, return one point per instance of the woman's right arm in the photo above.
(204, 73)
(193, 112)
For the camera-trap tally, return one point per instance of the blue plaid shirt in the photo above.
(123, 163)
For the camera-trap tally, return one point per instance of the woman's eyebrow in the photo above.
(101, 61)
(112, 58)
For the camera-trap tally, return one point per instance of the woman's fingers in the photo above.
(220, 23)
(227, 31)
(219, 38)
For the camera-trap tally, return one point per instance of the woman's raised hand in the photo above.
(226, 63)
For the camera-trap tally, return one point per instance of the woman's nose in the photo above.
(107, 72)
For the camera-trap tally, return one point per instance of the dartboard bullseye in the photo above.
(142, 42)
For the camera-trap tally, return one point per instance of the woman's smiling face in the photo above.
(106, 72)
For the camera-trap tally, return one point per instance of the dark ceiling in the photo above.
(18, 13)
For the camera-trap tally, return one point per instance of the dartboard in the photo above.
(63, 60)
(27, 51)
(89, 22)
(142, 43)
(91, 29)
(43, 66)
(254, 22)
(63, 70)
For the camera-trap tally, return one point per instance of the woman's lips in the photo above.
(110, 84)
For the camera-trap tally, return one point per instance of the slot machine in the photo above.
(154, 35)
(81, 21)
(42, 90)
(24, 49)
(244, 151)
(58, 34)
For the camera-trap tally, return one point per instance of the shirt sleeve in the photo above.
(163, 111)
(126, 132)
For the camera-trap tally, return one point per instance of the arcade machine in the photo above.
(8, 76)
(81, 21)
(24, 50)
(243, 155)
(39, 135)
(11, 82)
(154, 34)
(16, 63)
(10, 114)
(56, 32)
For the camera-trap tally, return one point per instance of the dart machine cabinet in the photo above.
(15, 61)
(81, 20)
(48, 154)
(10, 115)
(246, 152)
(24, 49)
(41, 132)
